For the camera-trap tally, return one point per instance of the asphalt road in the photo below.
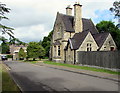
(41, 78)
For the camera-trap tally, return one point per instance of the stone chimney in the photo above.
(78, 18)
(69, 10)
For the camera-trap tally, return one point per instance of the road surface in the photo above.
(31, 77)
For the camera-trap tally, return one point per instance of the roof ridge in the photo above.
(65, 14)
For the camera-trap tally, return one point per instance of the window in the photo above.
(55, 50)
(58, 50)
(112, 48)
(104, 48)
(89, 47)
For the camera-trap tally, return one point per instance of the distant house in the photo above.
(74, 33)
(14, 50)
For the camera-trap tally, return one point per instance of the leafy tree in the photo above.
(5, 48)
(35, 50)
(21, 53)
(16, 41)
(3, 28)
(116, 11)
(46, 43)
(108, 26)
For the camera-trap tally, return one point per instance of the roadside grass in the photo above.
(8, 84)
(31, 61)
(36, 61)
(82, 67)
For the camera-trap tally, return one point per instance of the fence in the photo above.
(110, 59)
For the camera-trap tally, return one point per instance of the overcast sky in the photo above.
(34, 19)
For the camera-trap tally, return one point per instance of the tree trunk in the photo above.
(33, 59)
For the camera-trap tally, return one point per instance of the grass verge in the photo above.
(8, 84)
(83, 67)
(30, 61)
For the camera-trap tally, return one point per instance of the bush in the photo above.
(9, 56)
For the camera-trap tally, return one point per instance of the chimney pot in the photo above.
(69, 10)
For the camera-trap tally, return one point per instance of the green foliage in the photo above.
(5, 29)
(21, 53)
(9, 56)
(5, 48)
(16, 41)
(116, 11)
(3, 39)
(35, 50)
(116, 8)
(7, 82)
(108, 26)
(46, 43)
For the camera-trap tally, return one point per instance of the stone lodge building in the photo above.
(74, 33)
(14, 50)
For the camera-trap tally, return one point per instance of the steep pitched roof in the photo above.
(69, 24)
(100, 38)
(77, 39)
(88, 25)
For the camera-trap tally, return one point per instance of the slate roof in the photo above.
(77, 39)
(69, 24)
(100, 38)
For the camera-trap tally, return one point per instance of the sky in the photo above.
(34, 19)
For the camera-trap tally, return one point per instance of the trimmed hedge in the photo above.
(9, 56)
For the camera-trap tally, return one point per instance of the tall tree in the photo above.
(3, 28)
(108, 26)
(35, 50)
(116, 11)
(21, 53)
(46, 43)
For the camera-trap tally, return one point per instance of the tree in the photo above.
(16, 41)
(3, 39)
(35, 50)
(108, 26)
(21, 54)
(5, 46)
(46, 43)
(116, 11)
(3, 28)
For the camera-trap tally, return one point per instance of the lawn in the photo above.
(83, 67)
(8, 84)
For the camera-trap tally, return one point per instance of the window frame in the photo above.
(59, 51)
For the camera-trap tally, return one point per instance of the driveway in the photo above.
(31, 77)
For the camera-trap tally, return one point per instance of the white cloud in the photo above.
(33, 19)
(31, 33)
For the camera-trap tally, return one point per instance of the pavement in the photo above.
(44, 77)
(84, 72)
